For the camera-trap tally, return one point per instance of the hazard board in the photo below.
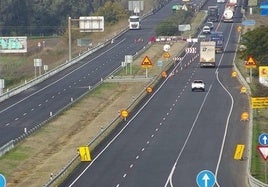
(146, 63)
(250, 63)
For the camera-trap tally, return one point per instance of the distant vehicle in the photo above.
(213, 13)
(198, 85)
(220, 1)
(228, 14)
(206, 29)
(217, 37)
(207, 54)
(210, 24)
(134, 22)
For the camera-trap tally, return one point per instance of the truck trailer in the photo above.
(218, 38)
(213, 14)
(207, 54)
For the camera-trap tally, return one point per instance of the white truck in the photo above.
(228, 14)
(134, 22)
(207, 53)
(198, 85)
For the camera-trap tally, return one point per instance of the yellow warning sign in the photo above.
(84, 153)
(166, 55)
(243, 89)
(124, 113)
(149, 89)
(259, 102)
(239, 151)
(234, 74)
(250, 63)
(244, 116)
(263, 71)
(146, 63)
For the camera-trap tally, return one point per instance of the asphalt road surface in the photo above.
(34, 106)
(176, 136)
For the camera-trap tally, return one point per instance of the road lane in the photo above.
(35, 105)
(178, 133)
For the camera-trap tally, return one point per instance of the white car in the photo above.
(210, 24)
(198, 85)
(206, 29)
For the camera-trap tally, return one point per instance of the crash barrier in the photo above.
(8, 146)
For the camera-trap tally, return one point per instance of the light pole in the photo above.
(70, 39)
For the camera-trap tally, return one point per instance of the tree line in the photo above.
(49, 17)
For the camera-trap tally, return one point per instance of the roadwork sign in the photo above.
(84, 153)
(250, 63)
(259, 102)
(146, 63)
(239, 150)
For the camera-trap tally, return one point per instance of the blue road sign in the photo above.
(160, 63)
(2, 181)
(264, 12)
(205, 178)
(248, 22)
(263, 139)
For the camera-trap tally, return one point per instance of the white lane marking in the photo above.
(169, 180)
(80, 67)
(119, 133)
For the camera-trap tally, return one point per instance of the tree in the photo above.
(255, 44)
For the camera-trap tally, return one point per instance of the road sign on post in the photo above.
(263, 139)
(250, 63)
(205, 178)
(2, 181)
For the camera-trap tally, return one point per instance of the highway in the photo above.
(28, 109)
(176, 134)
(172, 136)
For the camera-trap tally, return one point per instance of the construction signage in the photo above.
(250, 63)
(84, 153)
(146, 63)
(259, 102)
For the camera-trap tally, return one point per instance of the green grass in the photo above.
(13, 159)
(257, 162)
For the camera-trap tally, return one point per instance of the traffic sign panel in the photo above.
(2, 181)
(146, 63)
(239, 150)
(205, 178)
(248, 22)
(263, 139)
(259, 102)
(250, 63)
(263, 151)
(166, 55)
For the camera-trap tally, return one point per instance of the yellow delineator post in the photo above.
(239, 151)
(84, 153)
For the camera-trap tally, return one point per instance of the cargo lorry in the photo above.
(134, 22)
(207, 54)
(218, 38)
(213, 14)
(228, 14)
